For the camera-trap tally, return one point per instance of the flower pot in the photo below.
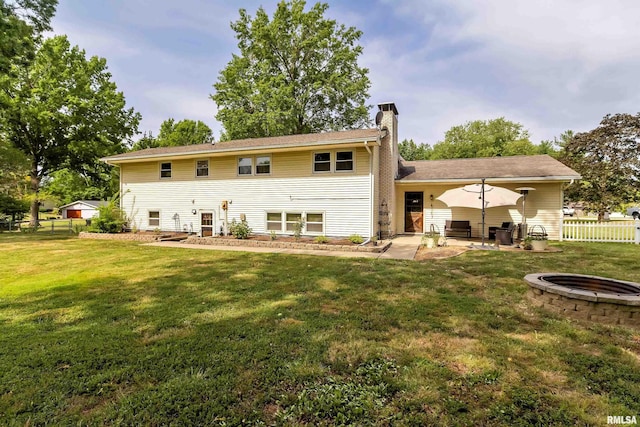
(539, 245)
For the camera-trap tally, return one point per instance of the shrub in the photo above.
(297, 228)
(273, 235)
(110, 219)
(240, 230)
(356, 239)
(321, 239)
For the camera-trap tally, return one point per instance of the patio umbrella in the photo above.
(479, 196)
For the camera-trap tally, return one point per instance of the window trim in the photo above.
(238, 166)
(267, 221)
(159, 219)
(353, 161)
(313, 161)
(256, 164)
(303, 214)
(196, 168)
(306, 223)
(170, 163)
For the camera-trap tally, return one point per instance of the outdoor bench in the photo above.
(459, 227)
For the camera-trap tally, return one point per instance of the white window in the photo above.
(245, 165)
(202, 168)
(292, 219)
(315, 223)
(274, 221)
(322, 162)
(154, 218)
(344, 161)
(263, 165)
(165, 170)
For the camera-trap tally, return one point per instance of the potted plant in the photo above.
(526, 243)
(539, 238)
(431, 239)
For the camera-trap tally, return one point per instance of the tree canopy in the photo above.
(409, 150)
(63, 111)
(21, 23)
(607, 158)
(485, 138)
(173, 134)
(296, 73)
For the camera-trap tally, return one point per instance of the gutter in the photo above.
(494, 179)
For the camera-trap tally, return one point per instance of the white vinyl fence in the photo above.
(592, 231)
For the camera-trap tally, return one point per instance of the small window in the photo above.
(244, 165)
(202, 168)
(165, 170)
(292, 219)
(315, 223)
(322, 162)
(274, 221)
(263, 165)
(344, 161)
(154, 218)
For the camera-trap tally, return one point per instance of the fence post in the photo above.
(52, 225)
(636, 223)
(561, 228)
(70, 226)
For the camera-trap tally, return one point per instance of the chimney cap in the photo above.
(388, 106)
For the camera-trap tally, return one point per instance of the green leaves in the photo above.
(296, 73)
(63, 111)
(497, 137)
(607, 158)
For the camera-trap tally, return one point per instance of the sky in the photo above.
(549, 65)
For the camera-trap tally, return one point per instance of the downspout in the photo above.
(371, 198)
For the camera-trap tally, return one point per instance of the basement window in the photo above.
(154, 219)
(315, 223)
(274, 221)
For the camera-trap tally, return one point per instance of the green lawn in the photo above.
(101, 332)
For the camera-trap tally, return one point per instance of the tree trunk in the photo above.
(35, 203)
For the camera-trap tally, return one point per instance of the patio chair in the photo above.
(508, 226)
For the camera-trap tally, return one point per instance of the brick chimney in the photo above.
(388, 170)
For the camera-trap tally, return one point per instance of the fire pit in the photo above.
(593, 298)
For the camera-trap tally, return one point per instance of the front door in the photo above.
(206, 224)
(413, 215)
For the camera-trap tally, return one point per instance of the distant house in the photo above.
(336, 183)
(81, 209)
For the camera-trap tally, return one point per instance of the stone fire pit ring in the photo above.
(585, 297)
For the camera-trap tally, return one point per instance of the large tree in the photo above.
(21, 23)
(480, 138)
(174, 134)
(63, 111)
(608, 160)
(296, 73)
(409, 150)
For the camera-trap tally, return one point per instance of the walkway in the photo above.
(402, 247)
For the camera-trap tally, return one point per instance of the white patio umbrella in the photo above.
(479, 196)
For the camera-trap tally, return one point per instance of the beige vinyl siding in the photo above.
(295, 164)
(544, 207)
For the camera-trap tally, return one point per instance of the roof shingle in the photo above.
(252, 143)
(540, 166)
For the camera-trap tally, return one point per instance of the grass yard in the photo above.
(112, 333)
